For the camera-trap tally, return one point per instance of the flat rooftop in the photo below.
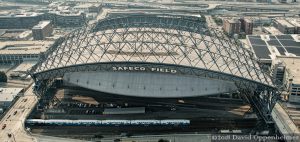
(41, 25)
(2, 32)
(87, 5)
(25, 66)
(292, 65)
(295, 23)
(285, 45)
(273, 31)
(24, 47)
(8, 94)
(66, 13)
(285, 23)
(232, 20)
(248, 20)
(5, 67)
(10, 15)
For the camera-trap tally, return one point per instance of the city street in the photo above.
(15, 117)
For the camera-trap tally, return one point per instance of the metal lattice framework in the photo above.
(154, 39)
(183, 43)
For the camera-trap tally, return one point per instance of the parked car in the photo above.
(4, 126)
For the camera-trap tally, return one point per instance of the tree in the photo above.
(3, 77)
(266, 24)
(163, 140)
(98, 136)
(202, 18)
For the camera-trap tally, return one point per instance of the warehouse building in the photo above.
(284, 26)
(19, 51)
(296, 23)
(67, 18)
(88, 8)
(20, 21)
(281, 55)
(7, 96)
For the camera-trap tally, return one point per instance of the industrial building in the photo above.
(42, 30)
(15, 34)
(280, 53)
(259, 21)
(7, 96)
(88, 8)
(29, 20)
(272, 30)
(284, 26)
(290, 72)
(20, 21)
(19, 51)
(268, 46)
(296, 23)
(13, 56)
(286, 71)
(67, 19)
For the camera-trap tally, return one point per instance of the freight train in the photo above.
(63, 122)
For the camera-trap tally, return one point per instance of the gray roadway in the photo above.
(15, 123)
(171, 138)
(213, 4)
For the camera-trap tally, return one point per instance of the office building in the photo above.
(247, 26)
(42, 30)
(231, 26)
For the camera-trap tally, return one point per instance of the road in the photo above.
(101, 16)
(170, 137)
(212, 4)
(284, 123)
(15, 122)
(210, 22)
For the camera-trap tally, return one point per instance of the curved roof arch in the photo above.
(183, 23)
(169, 40)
